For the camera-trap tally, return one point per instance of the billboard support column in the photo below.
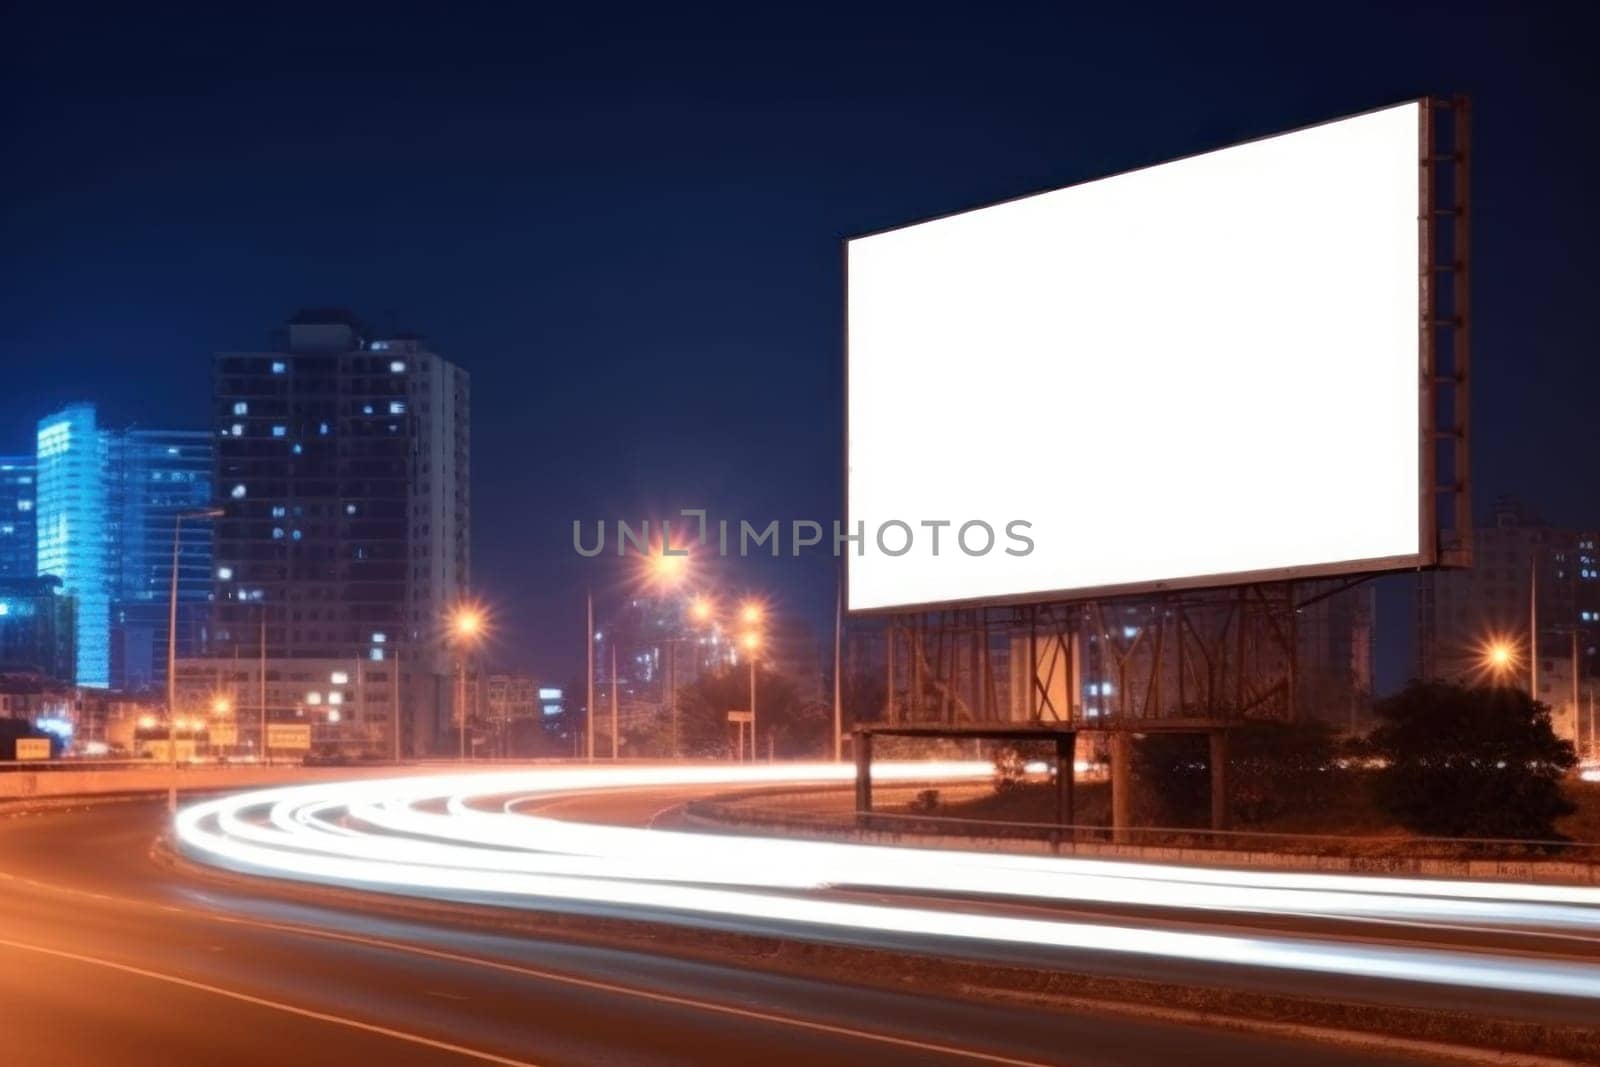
(1219, 779)
(1121, 785)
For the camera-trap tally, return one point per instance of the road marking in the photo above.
(596, 985)
(275, 1005)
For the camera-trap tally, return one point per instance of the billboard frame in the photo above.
(1443, 366)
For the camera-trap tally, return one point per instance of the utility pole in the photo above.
(263, 680)
(838, 691)
(1533, 626)
(588, 642)
(613, 700)
(396, 702)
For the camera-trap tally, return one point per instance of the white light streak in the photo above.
(459, 836)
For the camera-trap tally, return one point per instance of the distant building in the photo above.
(1463, 614)
(37, 634)
(511, 698)
(19, 555)
(329, 695)
(343, 464)
(105, 510)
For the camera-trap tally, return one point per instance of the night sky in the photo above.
(627, 226)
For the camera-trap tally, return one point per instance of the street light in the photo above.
(172, 647)
(468, 623)
(752, 644)
(1498, 658)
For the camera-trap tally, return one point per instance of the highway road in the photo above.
(109, 955)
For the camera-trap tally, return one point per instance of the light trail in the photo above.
(454, 837)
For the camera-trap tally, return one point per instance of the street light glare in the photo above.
(668, 570)
(751, 612)
(467, 623)
(751, 641)
(700, 609)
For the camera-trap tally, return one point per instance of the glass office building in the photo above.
(105, 509)
(19, 554)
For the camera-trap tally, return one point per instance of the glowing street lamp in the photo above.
(467, 626)
(1499, 658)
(751, 613)
(221, 706)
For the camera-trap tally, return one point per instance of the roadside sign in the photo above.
(740, 716)
(33, 748)
(223, 733)
(294, 736)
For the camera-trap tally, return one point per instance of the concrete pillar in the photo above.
(1121, 785)
(1219, 779)
(863, 748)
(1066, 758)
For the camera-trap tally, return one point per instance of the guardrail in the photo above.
(757, 808)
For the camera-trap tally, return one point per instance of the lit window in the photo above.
(339, 678)
(296, 449)
(296, 535)
(24, 505)
(335, 698)
(241, 408)
(277, 511)
(279, 366)
(238, 492)
(376, 654)
(397, 407)
(379, 639)
(280, 431)
(349, 509)
(238, 429)
(322, 428)
(277, 533)
(225, 574)
(397, 367)
(366, 409)
(313, 698)
(333, 716)
(380, 346)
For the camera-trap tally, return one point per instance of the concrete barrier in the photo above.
(156, 778)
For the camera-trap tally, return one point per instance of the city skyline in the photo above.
(674, 219)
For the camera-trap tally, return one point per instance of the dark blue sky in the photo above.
(627, 225)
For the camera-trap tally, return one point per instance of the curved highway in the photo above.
(109, 954)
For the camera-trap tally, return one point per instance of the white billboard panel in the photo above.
(1199, 372)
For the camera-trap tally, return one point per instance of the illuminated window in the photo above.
(278, 511)
(238, 429)
(397, 407)
(241, 408)
(376, 654)
(339, 678)
(322, 428)
(280, 431)
(278, 366)
(238, 492)
(366, 409)
(379, 639)
(277, 533)
(297, 449)
(24, 505)
(397, 367)
(225, 574)
(313, 698)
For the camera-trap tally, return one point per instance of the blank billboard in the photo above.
(1195, 373)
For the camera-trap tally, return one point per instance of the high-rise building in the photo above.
(1523, 569)
(342, 463)
(36, 631)
(107, 501)
(19, 554)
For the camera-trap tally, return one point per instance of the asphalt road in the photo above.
(110, 957)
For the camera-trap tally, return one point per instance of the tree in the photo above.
(1274, 769)
(1478, 762)
(795, 729)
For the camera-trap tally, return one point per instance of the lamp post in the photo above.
(172, 648)
(752, 644)
(466, 627)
